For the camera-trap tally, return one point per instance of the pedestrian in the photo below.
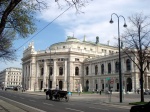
(138, 91)
(79, 92)
(100, 92)
(97, 91)
(93, 91)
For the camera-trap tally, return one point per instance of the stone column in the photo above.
(104, 84)
(23, 76)
(99, 69)
(65, 77)
(33, 73)
(27, 84)
(146, 81)
(90, 69)
(99, 84)
(105, 68)
(133, 83)
(54, 75)
(37, 75)
(113, 67)
(44, 75)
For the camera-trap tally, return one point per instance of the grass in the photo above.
(138, 103)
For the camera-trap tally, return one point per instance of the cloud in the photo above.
(94, 21)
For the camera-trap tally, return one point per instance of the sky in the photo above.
(92, 20)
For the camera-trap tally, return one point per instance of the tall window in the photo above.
(76, 71)
(96, 69)
(102, 69)
(148, 65)
(128, 65)
(60, 71)
(50, 70)
(87, 70)
(116, 67)
(42, 71)
(109, 67)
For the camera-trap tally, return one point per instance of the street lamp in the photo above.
(120, 74)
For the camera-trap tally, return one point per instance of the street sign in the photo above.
(108, 78)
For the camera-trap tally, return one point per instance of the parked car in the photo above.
(141, 108)
(147, 92)
(9, 88)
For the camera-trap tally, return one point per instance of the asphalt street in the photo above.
(38, 103)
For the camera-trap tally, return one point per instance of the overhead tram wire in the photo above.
(45, 26)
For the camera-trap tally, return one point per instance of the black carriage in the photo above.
(57, 95)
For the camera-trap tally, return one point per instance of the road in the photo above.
(37, 103)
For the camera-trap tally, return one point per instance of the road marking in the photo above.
(48, 104)
(38, 110)
(74, 109)
(99, 108)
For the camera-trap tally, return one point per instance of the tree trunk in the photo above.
(141, 82)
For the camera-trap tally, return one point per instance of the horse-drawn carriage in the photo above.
(57, 95)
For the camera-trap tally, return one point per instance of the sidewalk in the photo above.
(6, 107)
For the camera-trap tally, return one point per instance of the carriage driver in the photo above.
(57, 89)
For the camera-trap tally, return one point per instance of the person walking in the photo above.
(100, 92)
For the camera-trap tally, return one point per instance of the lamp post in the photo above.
(49, 84)
(120, 74)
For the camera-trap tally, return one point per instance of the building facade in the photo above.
(11, 77)
(91, 65)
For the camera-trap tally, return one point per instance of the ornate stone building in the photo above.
(72, 63)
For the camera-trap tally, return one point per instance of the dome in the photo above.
(72, 39)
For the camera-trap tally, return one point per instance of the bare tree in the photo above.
(17, 18)
(137, 43)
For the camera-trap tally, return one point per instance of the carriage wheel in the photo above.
(52, 97)
(58, 97)
(67, 98)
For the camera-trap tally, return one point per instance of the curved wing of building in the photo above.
(75, 63)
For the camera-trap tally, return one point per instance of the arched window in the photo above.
(87, 70)
(42, 71)
(109, 67)
(128, 65)
(60, 71)
(76, 71)
(50, 70)
(102, 69)
(116, 67)
(96, 69)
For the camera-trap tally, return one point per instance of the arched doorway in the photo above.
(60, 85)
(129, 84)
(87, 85)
